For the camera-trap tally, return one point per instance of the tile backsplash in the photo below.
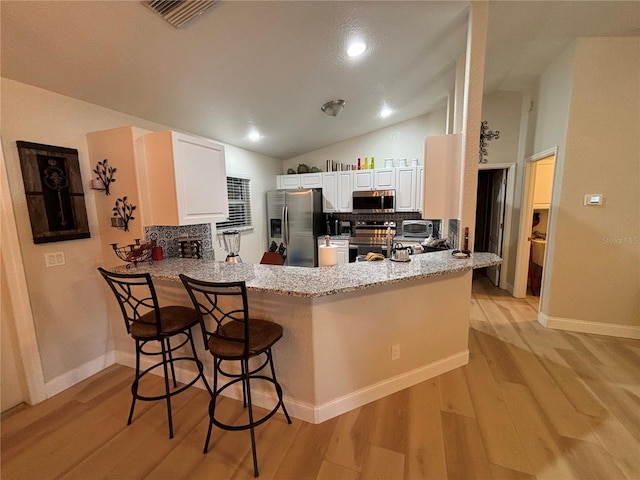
(168, 238)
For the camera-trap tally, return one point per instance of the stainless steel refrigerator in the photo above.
(295, 220)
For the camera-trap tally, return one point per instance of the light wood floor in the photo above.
(531, 404)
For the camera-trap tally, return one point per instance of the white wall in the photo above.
(402, 140)
(68, 302)
(589, 105)
(263, 171)
(503, 110)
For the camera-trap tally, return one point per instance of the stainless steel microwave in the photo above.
(417, 228)
(374, 201)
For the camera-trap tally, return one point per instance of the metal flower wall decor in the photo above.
(485, 136)
(122, 214)
(105, 175)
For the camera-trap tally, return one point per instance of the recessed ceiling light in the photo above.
(385, 112)
(254, 135)
(356, 49)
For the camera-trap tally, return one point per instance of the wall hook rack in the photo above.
(485, 136)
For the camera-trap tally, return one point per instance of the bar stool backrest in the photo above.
(219, 304)
(136, 296)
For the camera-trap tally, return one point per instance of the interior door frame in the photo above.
(508, 211)
(27, 353)
(526, 213)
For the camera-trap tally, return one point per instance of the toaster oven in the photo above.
(417, 228)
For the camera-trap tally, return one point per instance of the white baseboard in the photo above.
(582, 326)
(387, 387)
(78, 374)
(320, 413)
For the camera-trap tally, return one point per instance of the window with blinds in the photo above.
(239, 193)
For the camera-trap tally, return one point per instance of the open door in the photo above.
(497, 195)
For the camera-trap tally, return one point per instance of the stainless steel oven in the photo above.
(370, 236)
(374, 201)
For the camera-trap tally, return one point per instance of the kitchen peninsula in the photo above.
(340, 323)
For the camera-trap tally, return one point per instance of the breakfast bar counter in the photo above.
(315, 282)
(341, 323)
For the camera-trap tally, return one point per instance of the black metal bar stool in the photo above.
(148, 323)
(233, 336)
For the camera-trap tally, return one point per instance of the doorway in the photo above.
(534, 223)
(490, 213)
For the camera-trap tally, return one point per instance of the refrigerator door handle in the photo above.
(285, 221)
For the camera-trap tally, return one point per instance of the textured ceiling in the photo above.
(271, 65)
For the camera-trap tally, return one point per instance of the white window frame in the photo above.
(232, 224)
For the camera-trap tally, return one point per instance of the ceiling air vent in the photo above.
(179, 12)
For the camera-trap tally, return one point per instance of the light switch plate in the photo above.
(592, 199)
(54, 259)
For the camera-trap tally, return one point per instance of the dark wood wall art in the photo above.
(53, 186)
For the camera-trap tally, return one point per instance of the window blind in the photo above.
(239, 195)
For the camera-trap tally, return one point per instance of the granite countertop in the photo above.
(314, 282)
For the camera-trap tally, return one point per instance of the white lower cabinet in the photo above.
(343, 249)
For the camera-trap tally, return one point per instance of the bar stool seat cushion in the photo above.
(262, 335)
(173, 319)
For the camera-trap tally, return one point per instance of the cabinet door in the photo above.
(330, 192)
(311, 180)
(343, 249)
(362, 180)
(186, 180)
(288, 182)
(384, 179)
(345, 191)
(419, 188)
(542, 185)
(405, 189)
(201, 180)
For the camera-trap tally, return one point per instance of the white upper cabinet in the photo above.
(384, 179)
(362, 180)
(406, 189)
(288, 182)
(330, 192)
(543, 183)
(186, 180)
(337, 192)
(294, 181)
(378, 179)
(345, 191)
(311, 180)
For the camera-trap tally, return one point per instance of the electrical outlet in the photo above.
(54, 259)
(395, 352)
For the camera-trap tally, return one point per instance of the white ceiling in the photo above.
(271, 65)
